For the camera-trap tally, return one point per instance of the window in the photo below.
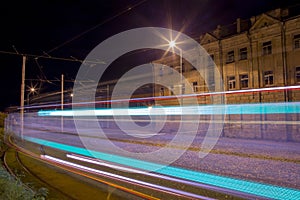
(243, 53)
(231, 82)
(230, 57)
(297, 75)
(244, 80)
(195, 86)
(161, 71)
(268, 78)
(210, 79)
(267, 48)
(171, 69)
(179, 68)
(162, 91)
(172, 89)
(183, 88)
(297, 41)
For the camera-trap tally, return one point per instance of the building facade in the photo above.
(256, 53)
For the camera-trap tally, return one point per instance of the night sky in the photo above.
(72, 28)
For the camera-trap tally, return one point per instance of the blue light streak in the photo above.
(250, 187)
(257, 90)
(263, 108)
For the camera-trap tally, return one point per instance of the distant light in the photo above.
(32, 89)
(71, 95)
(172, 44)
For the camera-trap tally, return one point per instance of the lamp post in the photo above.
(172, 44)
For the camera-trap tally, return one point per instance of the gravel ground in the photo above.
(264, 161)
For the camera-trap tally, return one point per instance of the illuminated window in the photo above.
(230, 57)
(231, 82)
(297, 75)
(243, 53)
(244, 80)
(268, 78)
(267, 48)
(297, 41)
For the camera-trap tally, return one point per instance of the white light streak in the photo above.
(100, 172)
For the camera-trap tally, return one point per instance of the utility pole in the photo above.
(107, 104)
(62, 92)
(22, 96)
(181, 78)
(62, 102)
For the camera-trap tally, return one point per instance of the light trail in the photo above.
(244, 186)
(160, 176)
(226, 121)
(141, 99)
(255, 108)
(101, 163)
(119, 177)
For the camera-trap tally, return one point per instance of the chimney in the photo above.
(238, 25)
(217, 31)
(253, 20)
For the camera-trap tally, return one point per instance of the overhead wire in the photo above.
(96, 26)
(41, 56)
(46, 55)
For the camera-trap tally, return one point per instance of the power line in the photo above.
(51, 57)
(96, 26)
(72, 59)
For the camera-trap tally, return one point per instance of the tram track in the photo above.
(13, 163)
(117, 183)
(58, 155)
(73, 186)
(41, 180)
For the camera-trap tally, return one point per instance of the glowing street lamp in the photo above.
(172, 44)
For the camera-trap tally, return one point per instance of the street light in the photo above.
(172, 44)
